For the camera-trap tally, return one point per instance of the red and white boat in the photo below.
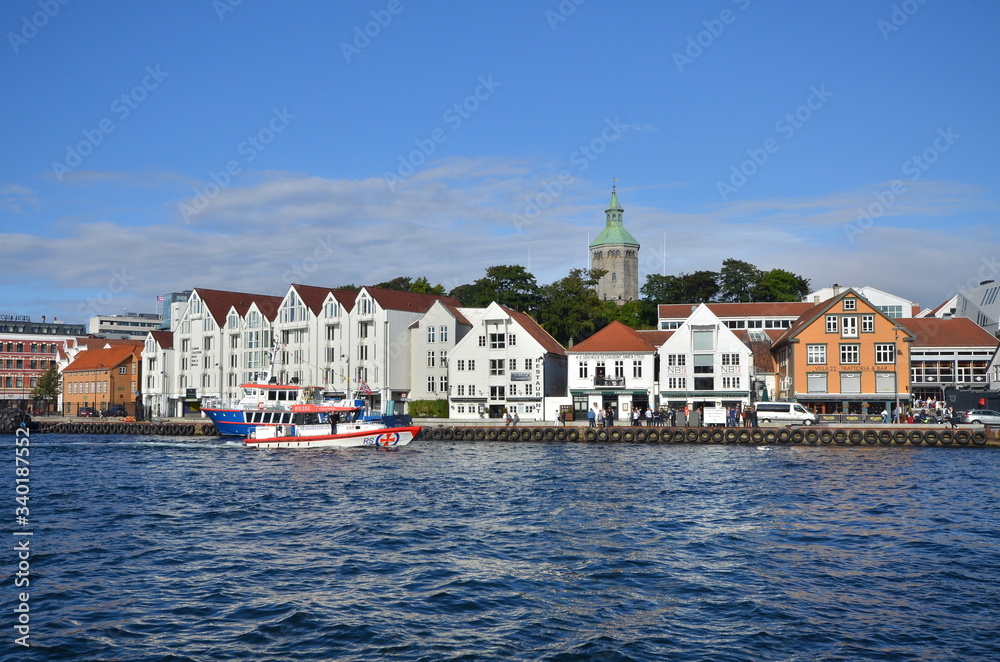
(329, 426)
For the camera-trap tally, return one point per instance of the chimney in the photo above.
(43, 319)
(836, 289)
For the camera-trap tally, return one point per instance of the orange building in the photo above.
(844, 356)
(101, 378)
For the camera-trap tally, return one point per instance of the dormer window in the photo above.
(850, 304)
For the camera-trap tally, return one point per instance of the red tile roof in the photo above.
(219, 302)
(103, 359)
(314, 297)
(165, 339)
(955, 332)
(615, 337)
(655, 337)
(409, 301)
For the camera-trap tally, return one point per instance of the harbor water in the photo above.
(173, 548)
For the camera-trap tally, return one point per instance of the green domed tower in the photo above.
(616, 252)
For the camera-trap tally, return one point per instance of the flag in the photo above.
(365, 389)
(159, 297)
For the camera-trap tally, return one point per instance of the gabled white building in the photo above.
(614, 369)
(432, 339)
(704, 363)
(506, 362)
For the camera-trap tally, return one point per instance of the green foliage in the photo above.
(423, 286)
(508, 285)
(737, 280)
(47, 388)
(781, 285)
(571, 308)
(427, 408)
(350, 288)
(407, 284)
(636, 314)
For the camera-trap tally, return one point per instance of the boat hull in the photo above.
(386, 438)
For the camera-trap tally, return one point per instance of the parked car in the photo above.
(86, 411)
(115, 411)
(983, 416)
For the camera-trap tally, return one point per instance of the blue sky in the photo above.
(159, 146)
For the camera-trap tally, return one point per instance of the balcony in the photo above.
(614, 382)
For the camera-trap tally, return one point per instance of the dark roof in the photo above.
(534, 329)
(219, 302)
(409, 301)
(314, 297)
(165, 339)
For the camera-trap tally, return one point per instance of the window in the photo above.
(704, 383)
(511, 339)
(528, 364)
(460, 390)
(443, 357)
(849, 326)
(443, 334)
(528, 389)
(867, 324)
(331, 332)
(430, 359)
(482, 341)
(677, 359)
(498, 341)
(730, 359)
(430, 384)
(637, 369)
(816, 354)
(512, 390)
(850, 354)
(831, 324)
(584, 372)
(430, 334)
(703, 339)
(460, 364)
(885, 353)
(512, 364)
(816, 382)
(885, 382)
(362, 352)
(472, 364)
(850, 382)
(498, 393)
(619, 368)
(850, 304)
(443, 384)
(730, 382)
(496, 367)
(122, 370)
(704, 364)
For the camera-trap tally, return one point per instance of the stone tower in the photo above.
(616, 252)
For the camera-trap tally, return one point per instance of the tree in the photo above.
(700, 287)
(662, 289)
(781, 285)
(636, 314)
(423, 286)
(403, 283)
(571, 308)
(508, 285)
(47, 388)
(737, 280)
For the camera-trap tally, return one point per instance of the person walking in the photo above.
(592, 417)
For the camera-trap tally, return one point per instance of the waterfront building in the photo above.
(893, 306)
(950, 353)
(616, 252)
(506, 362)
(843, 354)
(133, 326)
(432, 338)
(27, 349)
(614, 369)
(101, 378)
(157, 356)
(705, 364)
(758, 316)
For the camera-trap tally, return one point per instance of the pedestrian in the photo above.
(649, 417)
(509, 420)
(885, 416)
(753, 417)
(516, 420)
(591, 417)
(609, 417)
(600, 418)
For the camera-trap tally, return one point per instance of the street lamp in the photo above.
(895, 372)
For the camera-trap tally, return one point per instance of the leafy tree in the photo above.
(738, 280)
(662, 289)
(636, 314)
(404, 283)
(350, 288)
(47, 387)
(781, 285)
(571, 308)
(423, 286)
(700, 287)
(508, 285)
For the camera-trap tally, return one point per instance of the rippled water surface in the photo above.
(177, 549)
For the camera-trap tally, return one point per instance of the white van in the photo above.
(784, 412)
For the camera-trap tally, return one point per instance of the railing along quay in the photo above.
(908, 435)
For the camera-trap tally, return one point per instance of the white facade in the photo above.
(131, 326)
(981, 304)
(432, 339)
(503, 365)
(889, 304)
(704, 363)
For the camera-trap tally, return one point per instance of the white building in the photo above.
(505, 362)
(889, 304)
(764, 315)
(432, 339)
(704, 363)
(614, 369)
(131, 326)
